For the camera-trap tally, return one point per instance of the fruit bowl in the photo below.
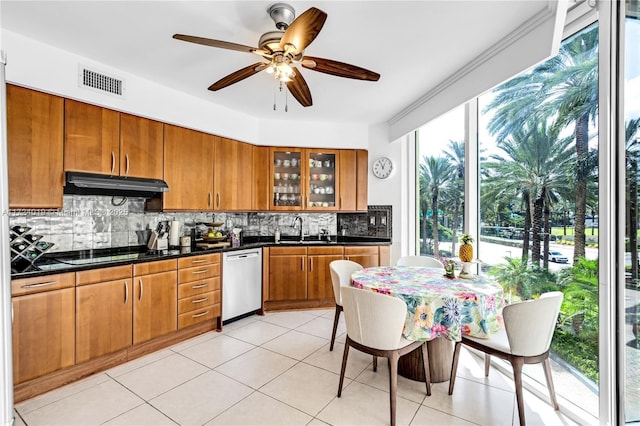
(214, 239)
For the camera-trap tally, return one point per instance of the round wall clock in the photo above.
(382, 167)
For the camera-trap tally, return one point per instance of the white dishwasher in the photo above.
(241, 282)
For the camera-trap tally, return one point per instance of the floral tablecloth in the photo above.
(437, 305)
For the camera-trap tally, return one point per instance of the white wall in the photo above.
(313, 134)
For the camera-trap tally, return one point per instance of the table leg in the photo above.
(440, 357)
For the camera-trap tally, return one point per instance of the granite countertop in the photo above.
(55, 263)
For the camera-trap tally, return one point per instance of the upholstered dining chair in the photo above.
(425, 261)
(341, 271)
(525, 339)
(374, 326)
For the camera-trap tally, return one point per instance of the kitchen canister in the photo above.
(174, 233)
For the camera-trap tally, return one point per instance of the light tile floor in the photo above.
(276, 370)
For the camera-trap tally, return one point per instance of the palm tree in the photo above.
(424, 182)
(439, 171)
(632, 149)
(455, 154)
(534, 168)
(565, 89)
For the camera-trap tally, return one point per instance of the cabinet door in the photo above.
(347, 193)
(43, 333)
(261, 181)
(155, 305)
(367, 256)
(319, 284)
(91, 138)
(232, 175)
(141, 143)
(287, 277)
(34, 145)
(188, 169)
(103, 318)
(362, 184)
(322, 180)
(286, 170)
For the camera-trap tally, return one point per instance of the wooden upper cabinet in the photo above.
(141, 142)
(188, 169)
(232, 175)
(353, 180)
(91, 138)
(260, 169)
(347, 194)
(34, 142)
(362, 180)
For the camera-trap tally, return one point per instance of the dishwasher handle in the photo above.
(234, 257)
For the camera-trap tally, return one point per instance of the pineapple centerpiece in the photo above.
(466, 249)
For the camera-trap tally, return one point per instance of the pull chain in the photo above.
(286, 99)
(274, 96)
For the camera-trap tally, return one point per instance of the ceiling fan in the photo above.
(284, 49)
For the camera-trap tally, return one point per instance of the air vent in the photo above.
(100, 82)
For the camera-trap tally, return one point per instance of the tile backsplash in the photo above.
(90, 222)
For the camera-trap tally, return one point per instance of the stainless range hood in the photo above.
(97, 184)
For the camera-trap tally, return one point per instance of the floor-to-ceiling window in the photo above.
(632, 159)
(440, 199)
(539, 204)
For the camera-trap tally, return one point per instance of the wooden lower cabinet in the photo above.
(287, 273)
(319, 284)
(299, 277)
(104, 315)
(43, 325)
(199, 293)
(367, 256)
(155, 299)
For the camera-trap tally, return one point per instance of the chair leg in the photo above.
(487, 363)
(336, 317)
(344, 366)
(517, 363)
(425, 362)
(454, 366)
(375, 364)
(393, 384)
(552, 391)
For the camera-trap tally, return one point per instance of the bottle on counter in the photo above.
(277, 235)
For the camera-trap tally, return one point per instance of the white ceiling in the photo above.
(414, 45)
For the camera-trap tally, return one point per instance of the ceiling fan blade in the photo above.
(299, 89)
(302, 31)
(340, 69)
(237, 76)
(216, 43)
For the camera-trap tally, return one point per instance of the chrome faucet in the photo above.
(295, 220)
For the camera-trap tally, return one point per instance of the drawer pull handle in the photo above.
(113, 162)
(141, 288)
(204, 299)
(204, 271)
(126, 293)
(200, 315)
(200, 286)
(40, 284)
(126, 171)
(199, 261)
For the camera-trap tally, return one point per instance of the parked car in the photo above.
(556, 256)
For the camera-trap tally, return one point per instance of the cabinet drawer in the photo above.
(154, 267)
(325, 250)
(351, 250)
(38, 284)
(198, 273)
(205, 259)
(285, 251)
(198, 287)
(103, 274)
(201, 315)
(199, 302)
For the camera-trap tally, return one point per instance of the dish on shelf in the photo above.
(213, 224)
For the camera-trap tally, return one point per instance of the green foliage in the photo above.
(578, 352)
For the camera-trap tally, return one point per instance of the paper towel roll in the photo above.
(174, 233)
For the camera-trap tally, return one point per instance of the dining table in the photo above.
(440, 310)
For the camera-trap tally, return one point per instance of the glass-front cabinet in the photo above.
(321, 178)
(303, 179)
(287, 171)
